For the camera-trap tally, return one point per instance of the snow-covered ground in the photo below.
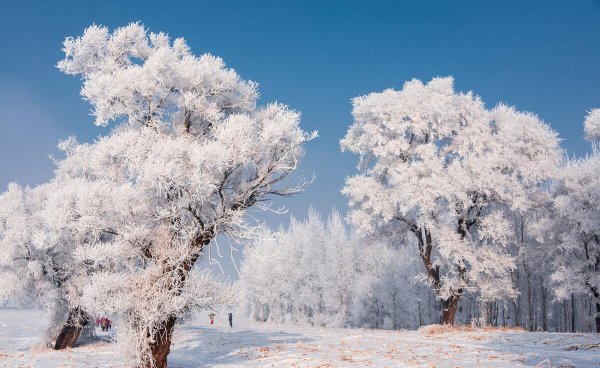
(200, 345)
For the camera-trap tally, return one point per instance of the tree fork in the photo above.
(449, 307)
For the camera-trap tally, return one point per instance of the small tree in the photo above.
(439, 168)
(38, 230)
(197, 153)
(32, 262)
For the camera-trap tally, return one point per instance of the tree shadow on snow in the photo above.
(205, 347)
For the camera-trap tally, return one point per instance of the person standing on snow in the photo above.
(230, 320)
(212, 318)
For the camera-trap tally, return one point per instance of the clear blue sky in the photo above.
(541, 56)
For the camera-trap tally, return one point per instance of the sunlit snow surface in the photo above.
(198, 344)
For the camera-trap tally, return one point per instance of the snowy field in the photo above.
(200, 345)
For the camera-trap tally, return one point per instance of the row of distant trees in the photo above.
(339, 279)
(484, 198)
(121, 226)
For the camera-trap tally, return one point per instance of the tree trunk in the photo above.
(529, 295)
(565, 316)
(425, 247)
(67, 338)
(597, 317)
(556, 319)
(544, 307)
(496, 312)
(162, 344)
(449, 307)
(517, 300)
(573, 313)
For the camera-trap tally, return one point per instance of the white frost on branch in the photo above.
(437, 164)
(591, 125)
(577, 229)
(193, 151)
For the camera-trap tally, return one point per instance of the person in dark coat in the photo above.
(230, 320)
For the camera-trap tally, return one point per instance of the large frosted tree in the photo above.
(439, 169)
(196, 151)
(577, 221)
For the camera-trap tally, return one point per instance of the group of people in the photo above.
(212, 315)
(104, 323)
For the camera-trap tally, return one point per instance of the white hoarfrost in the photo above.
(591, 125)
(39, 228)
(336, 279)
(130, 214)
(33, 262)
(577, 230)
(476, 196)
(437, 166)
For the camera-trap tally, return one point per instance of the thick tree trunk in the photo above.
(449, 308)
(162, 344)
(67, 338)
(425, 243)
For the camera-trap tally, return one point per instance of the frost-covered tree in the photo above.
(44, 232)
(591, 125)
(534, 264)
(335, 279)
(33, 260)
(388, 295)
(195, 152)
(437, 166)
(37, 259)
(316, 288)
(577, 207)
